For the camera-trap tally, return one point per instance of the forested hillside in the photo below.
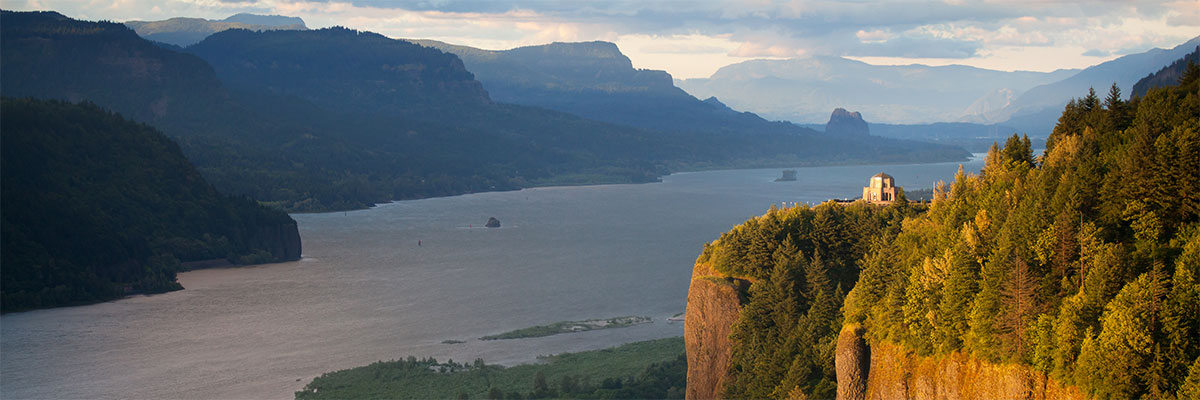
(1167, 76)
(339, 119)
(801, 261)
(1081, 263)
(97, 207)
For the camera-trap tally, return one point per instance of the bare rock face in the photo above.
(853, 363)
(845, 123)
(896, 373)
(713, 307)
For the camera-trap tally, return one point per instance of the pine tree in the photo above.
(1091, 101)
(1019, 307)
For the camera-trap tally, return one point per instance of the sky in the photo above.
(692, 39)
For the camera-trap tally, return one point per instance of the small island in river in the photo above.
(789, 175)
(570, 326)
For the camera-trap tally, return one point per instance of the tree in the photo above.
(539, 382)
(1120, 358)
(1019, 307)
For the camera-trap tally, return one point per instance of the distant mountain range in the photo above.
(1037, 110)
(805, 90)
(336, 119)
(595, 80)
(184, 32)
(976, 138)
(1167, 76)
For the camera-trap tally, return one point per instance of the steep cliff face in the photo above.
(341, 69)
(713, 307)
(281, 240)
(896, 373)
(853, 363)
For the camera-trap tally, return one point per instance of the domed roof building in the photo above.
(880, 189)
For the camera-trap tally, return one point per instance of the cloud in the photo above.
(917, 47)
(733, 29)
(1184, 13)
(874, 36)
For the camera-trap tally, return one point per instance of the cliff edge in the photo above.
(893, 372)
(713, 306)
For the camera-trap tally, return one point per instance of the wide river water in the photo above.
(366, 291)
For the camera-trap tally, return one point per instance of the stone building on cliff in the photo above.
(880, 189)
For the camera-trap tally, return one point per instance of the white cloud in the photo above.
(874, 36)
(689, 37)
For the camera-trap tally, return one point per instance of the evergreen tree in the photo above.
(1019, 307)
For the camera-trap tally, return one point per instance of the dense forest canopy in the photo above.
(1081, 262)
(97, 207)
(801, 261)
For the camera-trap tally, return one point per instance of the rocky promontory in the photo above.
(846, 123)
(881, 370)
(713, 306)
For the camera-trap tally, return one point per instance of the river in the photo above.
(365, 289)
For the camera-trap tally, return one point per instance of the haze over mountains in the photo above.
(806, 89)
(1039, 108)
(337, 118)
(596, 81)
(1167, 76)
(183, 31)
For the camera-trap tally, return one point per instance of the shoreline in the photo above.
(974, 156)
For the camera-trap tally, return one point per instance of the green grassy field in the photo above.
(650, 369)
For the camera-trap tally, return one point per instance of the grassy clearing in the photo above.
(650, 369)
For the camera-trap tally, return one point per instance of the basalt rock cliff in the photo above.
(882, 371)
(845, 123)
(714, 302)
(866, 370)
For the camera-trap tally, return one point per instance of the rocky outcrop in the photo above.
(714, 304)
(282, 241)
(853, 363)
(896, 373)
(845, 123)
(492, 223)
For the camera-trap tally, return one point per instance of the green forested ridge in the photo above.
(96, 207)
(801, 261)
(1168, 75)
(339, 119)
(654, 369)
(1081, 262)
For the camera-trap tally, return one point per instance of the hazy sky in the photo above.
(694, 38)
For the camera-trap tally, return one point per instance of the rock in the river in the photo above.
(493, 223)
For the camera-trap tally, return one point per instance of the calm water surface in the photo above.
(366, 291)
